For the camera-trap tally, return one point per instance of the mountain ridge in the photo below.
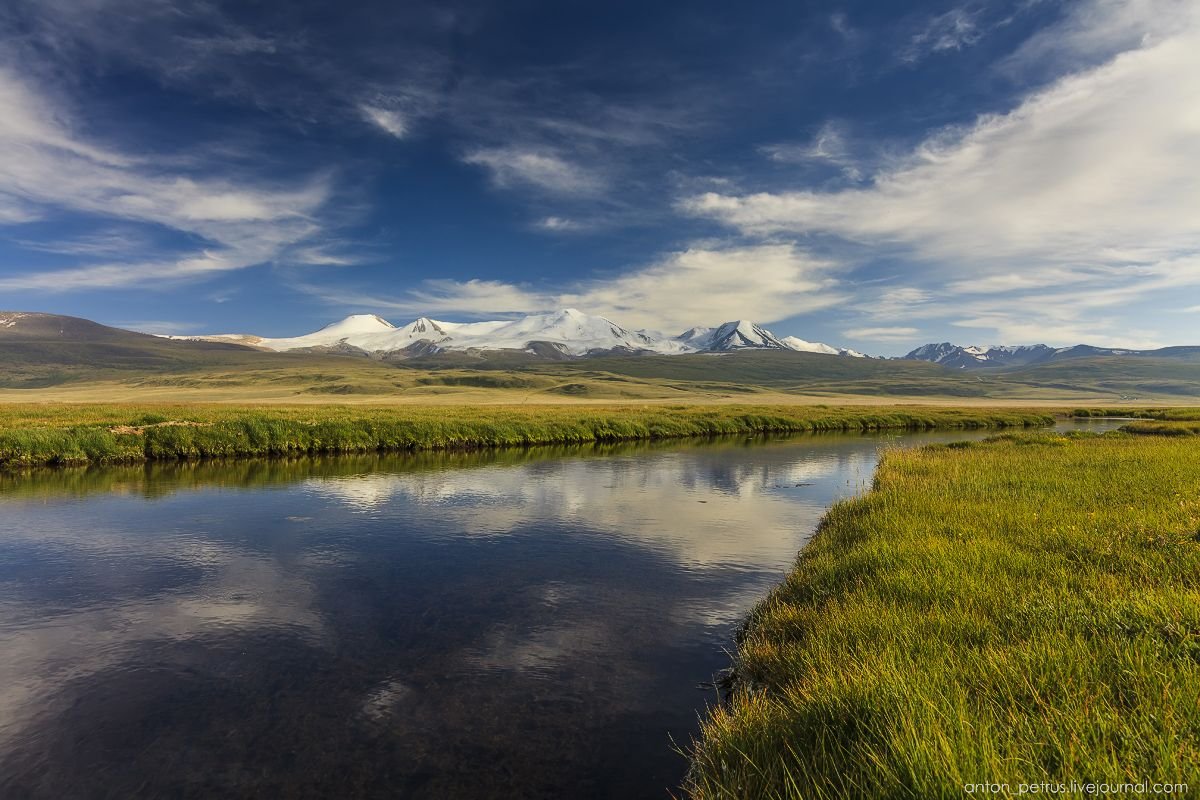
(568, 332)
(975, 357)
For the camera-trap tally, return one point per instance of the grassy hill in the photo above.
(39, 350)
(1128, 376)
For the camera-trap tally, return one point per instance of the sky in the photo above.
(872, 175)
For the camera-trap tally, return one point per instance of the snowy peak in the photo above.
(796, 343)
(977, 356)
(422, 327)
(743, 333)
(357, 324)
(735, 335)
(566, 332)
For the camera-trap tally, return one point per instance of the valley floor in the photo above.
(1020, 611)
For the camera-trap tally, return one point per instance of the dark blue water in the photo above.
(513, 624)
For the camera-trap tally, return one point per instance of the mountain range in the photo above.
(561, 354)
(995, 356)
(568, 333)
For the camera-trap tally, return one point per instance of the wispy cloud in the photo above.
(885, 334)
(840, 24)
(101, 244)
(559, 224)
(157, 326)
(827, 146)
(46, 165)
(541, 169)
(388, 120)
(956, 29)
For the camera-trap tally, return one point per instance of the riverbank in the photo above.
(42, 435)
(1025, 610)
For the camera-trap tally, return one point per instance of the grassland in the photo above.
(35, 435)
(1025, 610)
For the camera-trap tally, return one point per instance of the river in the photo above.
(522, 623)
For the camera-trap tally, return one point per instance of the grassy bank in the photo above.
(1020, 611)
(1151, 421)
(65, 434)
(1168, 414)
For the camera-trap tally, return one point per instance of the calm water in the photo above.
(517, 624)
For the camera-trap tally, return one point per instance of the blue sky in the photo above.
(874, 175)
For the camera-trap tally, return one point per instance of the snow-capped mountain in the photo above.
(972, 356)
(977, 356)
(565, 333)
(735, 335)
(796, 343)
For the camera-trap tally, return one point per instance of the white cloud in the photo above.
(392, 122)
(164, 272)
(46, 165)
(705, 285)
(882, 334)
(541, 169)
(1092, 182)
(1059, 329)
(1097, 30)
(558, 224)
(701, 285)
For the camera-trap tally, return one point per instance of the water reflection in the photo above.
(498, 624)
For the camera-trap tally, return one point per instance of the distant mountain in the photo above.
(542, 352)
(818, 347)
(973, 356)
(980, 357)
(561, 334)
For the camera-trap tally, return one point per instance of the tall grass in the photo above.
(56, 435)
(1163, 428)
(1140, 413)
(1025, 610)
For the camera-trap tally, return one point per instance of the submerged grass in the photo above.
(33, 435)
(1020, 611)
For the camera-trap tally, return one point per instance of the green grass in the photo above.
(1151, 421)
(1167, 428)
(1127, 377)
(1177, 414)
(68, 434)
(1019, 611)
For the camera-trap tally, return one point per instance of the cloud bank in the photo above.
(1090, 185)
(701, 285)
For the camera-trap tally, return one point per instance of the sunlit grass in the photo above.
(78, 434)
(1019, 611)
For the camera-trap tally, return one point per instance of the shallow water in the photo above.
(506, 624)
